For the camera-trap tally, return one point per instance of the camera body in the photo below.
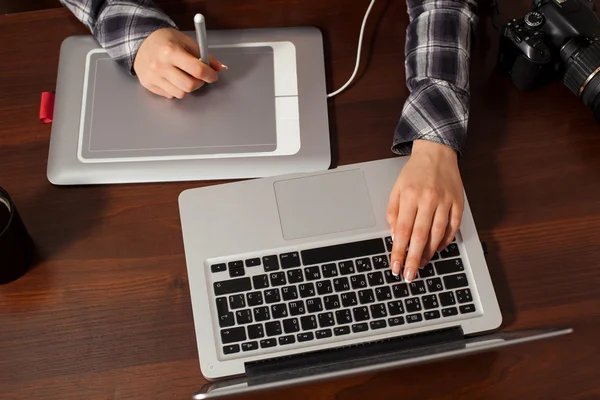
(557, 39)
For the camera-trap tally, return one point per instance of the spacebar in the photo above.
(342, 251)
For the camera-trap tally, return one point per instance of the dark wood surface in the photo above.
(105, 313)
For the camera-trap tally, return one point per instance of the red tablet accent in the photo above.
(47, 107)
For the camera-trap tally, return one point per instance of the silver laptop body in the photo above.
(287, 274)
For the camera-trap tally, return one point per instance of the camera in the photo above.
(556, 39)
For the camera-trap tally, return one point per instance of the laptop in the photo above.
(290, 283)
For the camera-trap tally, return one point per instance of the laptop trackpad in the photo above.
(323, 204)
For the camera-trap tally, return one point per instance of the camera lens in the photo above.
(582, 75)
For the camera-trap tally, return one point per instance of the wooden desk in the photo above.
(106, 313)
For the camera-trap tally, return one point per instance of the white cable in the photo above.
(360, 39)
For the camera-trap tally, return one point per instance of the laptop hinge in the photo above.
(311, 361)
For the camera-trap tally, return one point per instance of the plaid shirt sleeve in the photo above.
(438, 46)
(120, 26)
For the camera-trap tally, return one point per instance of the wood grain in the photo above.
(105, 313)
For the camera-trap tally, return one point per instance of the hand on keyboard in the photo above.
(425, 206)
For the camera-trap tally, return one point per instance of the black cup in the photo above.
(16, 246)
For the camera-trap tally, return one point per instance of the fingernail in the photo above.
(224, 66)
(409, 275)
(396, 268)
(392, 236)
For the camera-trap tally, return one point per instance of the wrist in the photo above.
(433, 149)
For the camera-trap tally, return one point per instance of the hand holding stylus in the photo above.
(168, 64)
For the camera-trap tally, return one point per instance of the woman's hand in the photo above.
(425, 206)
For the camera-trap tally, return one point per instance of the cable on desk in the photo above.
(360, 39)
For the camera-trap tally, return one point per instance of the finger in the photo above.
(216, 64)
(392, 212)
(171, 89)
(453, 226)
(437, 234)
(192, 47)
(418, 239)
(181, 80)
(402, 231)
(158, 91)
(192, 65)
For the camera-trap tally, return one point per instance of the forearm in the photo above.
(438, 47)
(120, 26)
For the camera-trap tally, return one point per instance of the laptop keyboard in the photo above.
(292, 298)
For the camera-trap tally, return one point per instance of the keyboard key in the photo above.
(341, 330)
(237, 301)
(436, 256)
(308, 322)
(305, 337)
(464, 296)
(283, 340)
(295, 276)
(232, 286)
(341, 284)
(377, 324)
(233, 348)
(449, 312)
(218, 267)
(314, 305)
(467, 308)
(289, 293)
(273, 328)
(330, 271)
(279, 310)
(378, 311)
(360, 327)
(417, 288)
(343, 317)
(383, 293)
(235, 264)
(226, 320)
(375, 278)
(447, 299)
(390, 278)
(265, 343)
(260, 281)
(346, 267)
(412, 304)
(253, 262)
(277, 278)
(254, 299)
(427, 271)
(358, 282)
(434, 285)
(272, 296)
(261, 314)
(243, 316)
(360, 313)
(291, 325)
(455, 281)
(222, 307)
(324, 287)
(289, 260)
(297, 308)
(366, 296)
(449, 266)
(349, 299)
(312, 273)
(363, 265)
(331, 302)
(430, 302)
(232, 335)
(323, 333)
(395, 307)
(389, 243)
(431, 314)
(250, 346)
(450, 251)
(342, 251)
(400, 290)
(236, 268)
(414, 318)
(255, 331)
(326, 319)
(380, 262)
(270, 263)
(395, 321)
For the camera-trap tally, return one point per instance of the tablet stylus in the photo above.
(199, 24)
